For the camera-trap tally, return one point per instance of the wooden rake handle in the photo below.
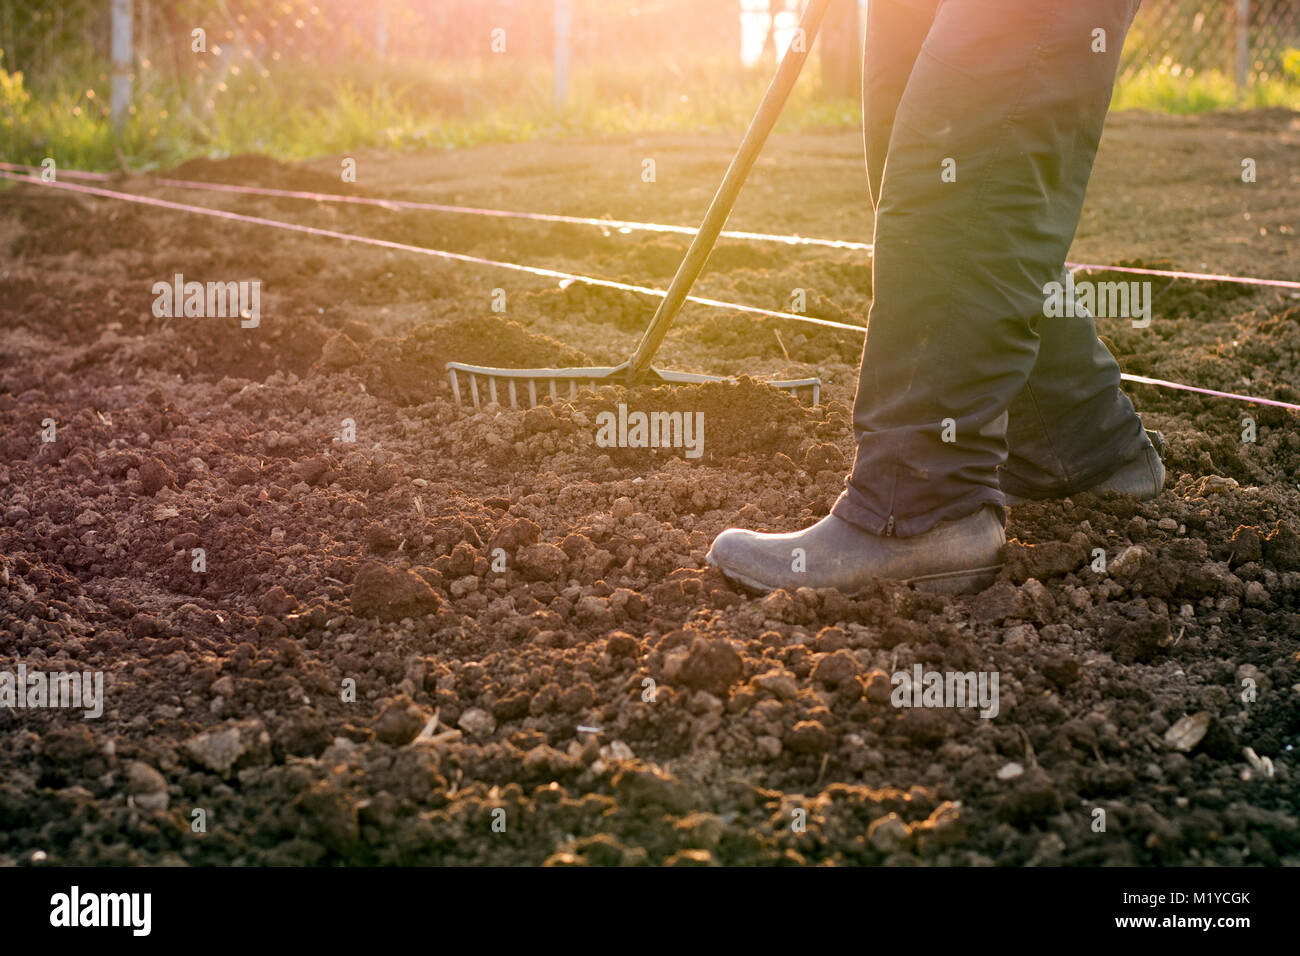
(723, 200)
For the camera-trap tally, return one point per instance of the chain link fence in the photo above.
(1249, 41)
(1246, 42)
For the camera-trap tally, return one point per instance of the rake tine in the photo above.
(589, 379)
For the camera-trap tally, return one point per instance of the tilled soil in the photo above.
(426, 634)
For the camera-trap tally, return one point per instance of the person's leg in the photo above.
(895, 31)
(986, 169)
(1071, 427)
(987, 161)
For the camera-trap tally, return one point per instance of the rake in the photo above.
(532, 383)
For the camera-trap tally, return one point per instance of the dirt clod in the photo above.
(391, 594)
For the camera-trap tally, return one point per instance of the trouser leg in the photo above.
(986, 167)
(895, 31)
(1070, 426)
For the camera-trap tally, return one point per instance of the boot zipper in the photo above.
(889, 527)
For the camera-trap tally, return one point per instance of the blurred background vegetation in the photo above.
(298, 78)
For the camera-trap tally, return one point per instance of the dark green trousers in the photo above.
(982, 119)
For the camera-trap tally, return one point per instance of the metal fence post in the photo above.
(1243, 44)
(563, 16)
(122, 61)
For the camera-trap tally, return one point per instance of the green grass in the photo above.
(1157, 89)
(296, 113)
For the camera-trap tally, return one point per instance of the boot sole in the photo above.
(948, 583)
(957, 582)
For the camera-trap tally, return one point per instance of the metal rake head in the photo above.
(527, 386)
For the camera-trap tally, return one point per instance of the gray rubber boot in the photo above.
(951, 558)
(1143, 477)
